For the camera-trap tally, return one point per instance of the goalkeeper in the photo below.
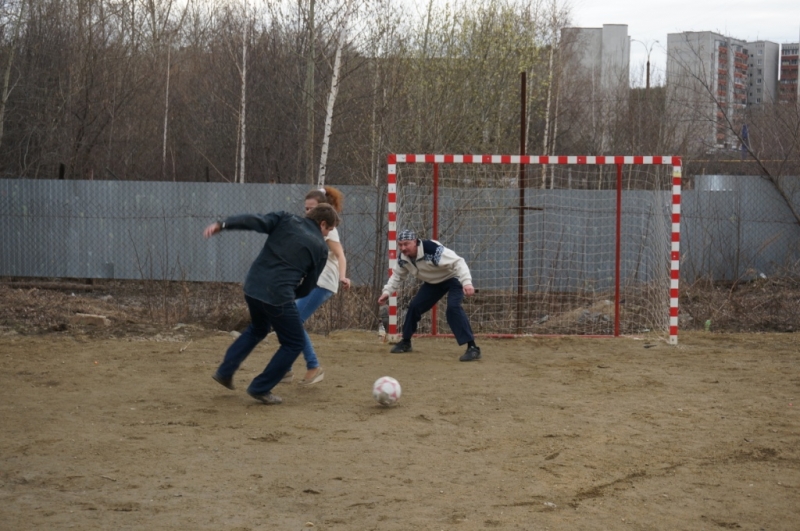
(442, 272)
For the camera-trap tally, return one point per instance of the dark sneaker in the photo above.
(224, 382)
(402, 346)
(472, 354)
(267, 398)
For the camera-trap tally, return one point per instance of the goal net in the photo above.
(556, 245)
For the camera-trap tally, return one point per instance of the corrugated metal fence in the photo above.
(731, 227)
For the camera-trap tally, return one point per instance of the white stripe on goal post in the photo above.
(394, 158)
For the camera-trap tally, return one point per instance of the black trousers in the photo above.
(425, 299)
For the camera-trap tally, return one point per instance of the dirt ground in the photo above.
(131, 432)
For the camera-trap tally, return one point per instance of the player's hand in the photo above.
(469, 289)
(382, 299)
(345, 282)
(212, 229)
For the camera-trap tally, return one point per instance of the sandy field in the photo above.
(567, 433)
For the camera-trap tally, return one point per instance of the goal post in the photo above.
(557, 245)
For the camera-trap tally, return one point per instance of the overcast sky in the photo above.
(649, 21)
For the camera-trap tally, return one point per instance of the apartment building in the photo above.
(707, 82)
(762, 72)
(789, 91)
(601, 54)
(596, 75)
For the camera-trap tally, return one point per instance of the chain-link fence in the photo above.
(733, 228)
(739, 224)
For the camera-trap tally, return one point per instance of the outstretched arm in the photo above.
(255, 222)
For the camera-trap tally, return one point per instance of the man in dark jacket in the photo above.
(286, 269)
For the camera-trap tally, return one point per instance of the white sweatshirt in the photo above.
(434, 264)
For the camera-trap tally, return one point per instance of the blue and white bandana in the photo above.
(407, 234)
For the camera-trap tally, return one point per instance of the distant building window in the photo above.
(760, 52)
(759, 71)
(758, 100)
(760, 61)
(758, 81)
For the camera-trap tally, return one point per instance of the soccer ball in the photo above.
(386, 390)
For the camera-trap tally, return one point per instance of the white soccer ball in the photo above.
(386, 391)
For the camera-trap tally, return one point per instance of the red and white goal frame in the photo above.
(569, 294)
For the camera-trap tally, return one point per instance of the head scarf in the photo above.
(406, 234)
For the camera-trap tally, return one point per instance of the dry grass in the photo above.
(761, 305)
(35, 306)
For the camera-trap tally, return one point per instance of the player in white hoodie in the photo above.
(442, 272)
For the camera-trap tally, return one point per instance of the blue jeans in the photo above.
(306, 307)
(427, 296)
(288, 326)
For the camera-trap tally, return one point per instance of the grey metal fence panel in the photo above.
(133, 230)
(738, 227)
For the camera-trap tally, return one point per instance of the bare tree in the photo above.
(309, 92)
(243, 104)
(15, 21)
(152, 89)
(463, 75)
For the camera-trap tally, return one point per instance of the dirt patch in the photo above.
(121, 426)
(132, 433)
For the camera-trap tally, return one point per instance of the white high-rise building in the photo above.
(596, 72)
(602, 54)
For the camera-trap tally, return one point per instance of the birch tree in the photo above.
(243, 105)
(556, 20)
(309, 90)
(334, 90)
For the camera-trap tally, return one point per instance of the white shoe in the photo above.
(318, 376)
